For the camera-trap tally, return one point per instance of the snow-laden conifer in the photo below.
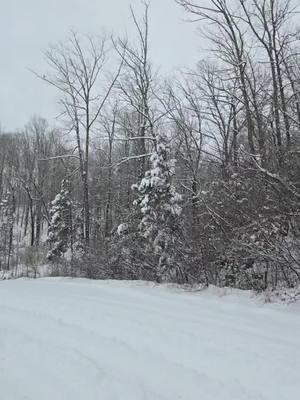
(159, 204)
(60, 230)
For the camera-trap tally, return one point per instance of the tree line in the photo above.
(193, 178)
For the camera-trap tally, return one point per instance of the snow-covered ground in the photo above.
(63, 339)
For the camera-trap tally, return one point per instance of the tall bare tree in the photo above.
(77, 71)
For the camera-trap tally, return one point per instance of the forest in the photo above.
(193, 178)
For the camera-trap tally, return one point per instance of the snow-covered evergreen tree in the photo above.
(65, 229)
(60, 234)
(160, 208)
(7, 219)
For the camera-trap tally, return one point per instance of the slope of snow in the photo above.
(63, 339)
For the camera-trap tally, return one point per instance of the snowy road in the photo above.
(85, 340)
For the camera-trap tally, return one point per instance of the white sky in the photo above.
(28, 26)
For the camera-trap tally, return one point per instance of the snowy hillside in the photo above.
(85, 340)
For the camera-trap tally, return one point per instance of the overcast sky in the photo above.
(28, 27)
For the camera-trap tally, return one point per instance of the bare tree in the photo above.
(137, 82)
(228, 38)
(268, 19)
(77, 71)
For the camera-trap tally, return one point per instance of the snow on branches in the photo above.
(159, 204)
(64, 234)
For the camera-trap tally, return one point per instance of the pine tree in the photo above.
(159, 204)
(60, 232)
(7, 219)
